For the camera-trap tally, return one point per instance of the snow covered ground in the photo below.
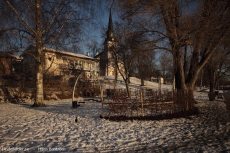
(135, 84)
(53, 128)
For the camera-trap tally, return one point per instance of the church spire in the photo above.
(110, 21)
(110, 32)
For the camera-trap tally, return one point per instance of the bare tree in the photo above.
(144, 57)
(94, 47)
(8, 41)
(166, 66)
(218, 66)
(42, 23)
(201, 30)
(122, 54)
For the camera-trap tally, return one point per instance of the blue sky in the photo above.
(95, 32)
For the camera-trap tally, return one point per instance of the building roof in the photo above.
(82, 56)
(68, 53)
(9, 55)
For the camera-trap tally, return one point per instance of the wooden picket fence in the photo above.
(142, 103)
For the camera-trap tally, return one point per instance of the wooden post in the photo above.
(141, 101)
(160, 87)
(102, 98)
(156, 102)
(102, 113)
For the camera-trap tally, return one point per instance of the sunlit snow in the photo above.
(53, 128)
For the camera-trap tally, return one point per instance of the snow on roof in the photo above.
(63, 52)
(10, 55)
(16, 57)
(68, 53)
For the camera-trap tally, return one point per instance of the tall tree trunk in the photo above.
(190, 83)
(190, 101)
(179, 71)
(211, 80)
(185, 60)
(116, 77)
(142, 82)
(39, 98)
(184, 89)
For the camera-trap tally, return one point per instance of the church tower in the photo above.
(107, 64)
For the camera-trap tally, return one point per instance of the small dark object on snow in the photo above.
(75, 104)
(76, 119)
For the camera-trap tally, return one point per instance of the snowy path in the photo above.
(54, 127)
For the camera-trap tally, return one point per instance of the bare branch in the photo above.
(64, 22)
(49, 25)
(16, 33)
(21, 18)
